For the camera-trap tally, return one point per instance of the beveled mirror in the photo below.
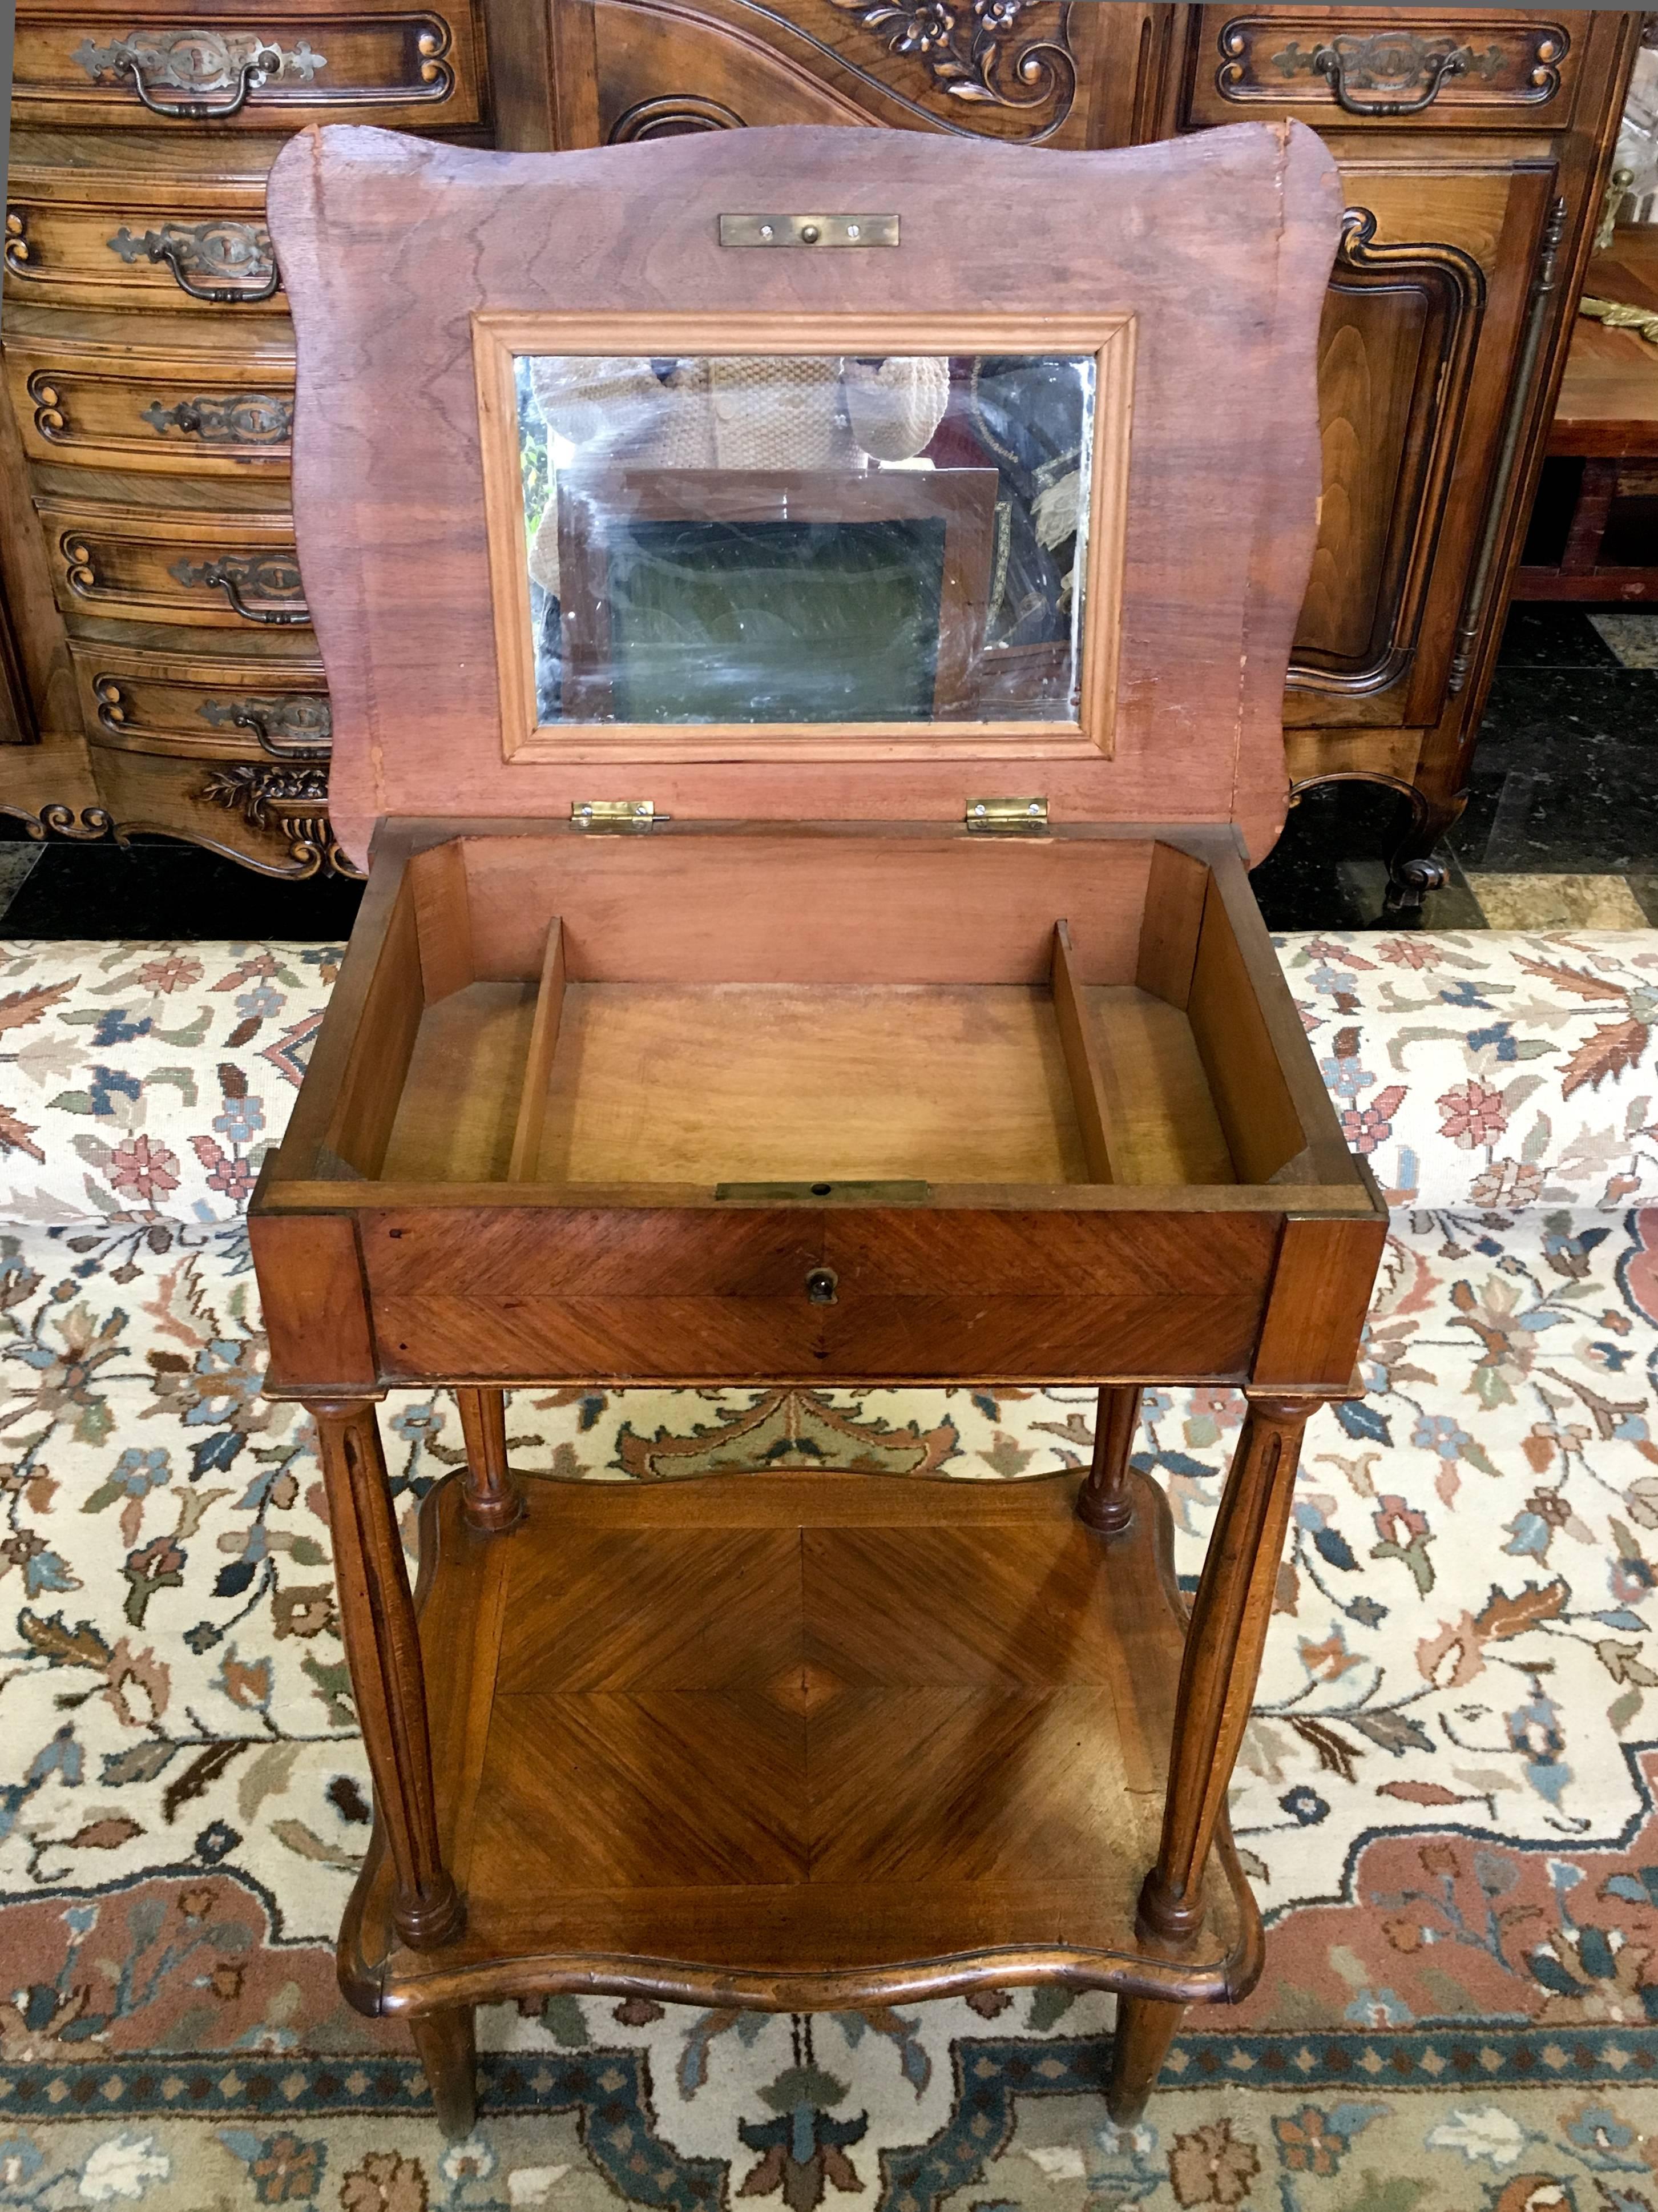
(827, 537)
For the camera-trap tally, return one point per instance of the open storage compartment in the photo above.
(821, 1013)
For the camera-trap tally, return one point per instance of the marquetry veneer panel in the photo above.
(819, 1732)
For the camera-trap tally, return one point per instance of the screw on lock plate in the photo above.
(776, 230)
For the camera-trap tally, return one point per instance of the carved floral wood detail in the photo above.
(971, 50)
(292, 801)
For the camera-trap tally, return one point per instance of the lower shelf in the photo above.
(797, 1741)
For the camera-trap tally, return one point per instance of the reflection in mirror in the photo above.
(789, 539)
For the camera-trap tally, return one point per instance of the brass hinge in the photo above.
(1018, 818)
(614, 814)
(808, 230)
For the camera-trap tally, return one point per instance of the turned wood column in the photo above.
(382, 1648)
(490, 1499)
(1105, 1501)
(1223, 1643)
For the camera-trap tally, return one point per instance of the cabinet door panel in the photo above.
(1395, 354)
(660, 76)
(1417, 351)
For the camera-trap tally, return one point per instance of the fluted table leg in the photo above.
(1223, 1643)
(382, 1647)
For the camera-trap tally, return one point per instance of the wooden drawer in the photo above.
(371, 64)
(917, 1296)
(150, 702)
(74, 239)
(111, 405)
(211, 569)
(1425, 68)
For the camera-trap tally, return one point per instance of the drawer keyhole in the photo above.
(821, 1286)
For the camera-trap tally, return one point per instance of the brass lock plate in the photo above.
(808, 230)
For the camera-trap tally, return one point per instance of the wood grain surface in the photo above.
(1220, 247)
(695, 1295)
(850, 1738)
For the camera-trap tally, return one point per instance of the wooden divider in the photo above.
(1081, 1059)
(1176, 887)
(538, 1063)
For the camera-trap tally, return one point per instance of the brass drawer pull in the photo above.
(305, 716)
(260, 65)
(1393, 72)
(1331, 62)
(821, 1286)
(219, 248)
(241, 418)
(229, 575)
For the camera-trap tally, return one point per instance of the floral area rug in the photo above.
(1446, 1797)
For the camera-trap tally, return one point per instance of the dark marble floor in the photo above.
(156, 889)
(1561, 827)
(1566, 776)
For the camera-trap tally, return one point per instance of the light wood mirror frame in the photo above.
(500, 335)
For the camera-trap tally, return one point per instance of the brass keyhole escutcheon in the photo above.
(820, 1286)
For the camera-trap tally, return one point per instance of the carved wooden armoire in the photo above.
(160, 669)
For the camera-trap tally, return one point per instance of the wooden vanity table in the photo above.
(685, 1041)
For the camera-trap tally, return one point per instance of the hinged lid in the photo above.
(589, 502)
(614, 813)
(1026, 818)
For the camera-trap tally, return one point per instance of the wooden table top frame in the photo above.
(810, 1085)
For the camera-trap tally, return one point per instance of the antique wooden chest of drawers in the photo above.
(683, 572)
(145, 425)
